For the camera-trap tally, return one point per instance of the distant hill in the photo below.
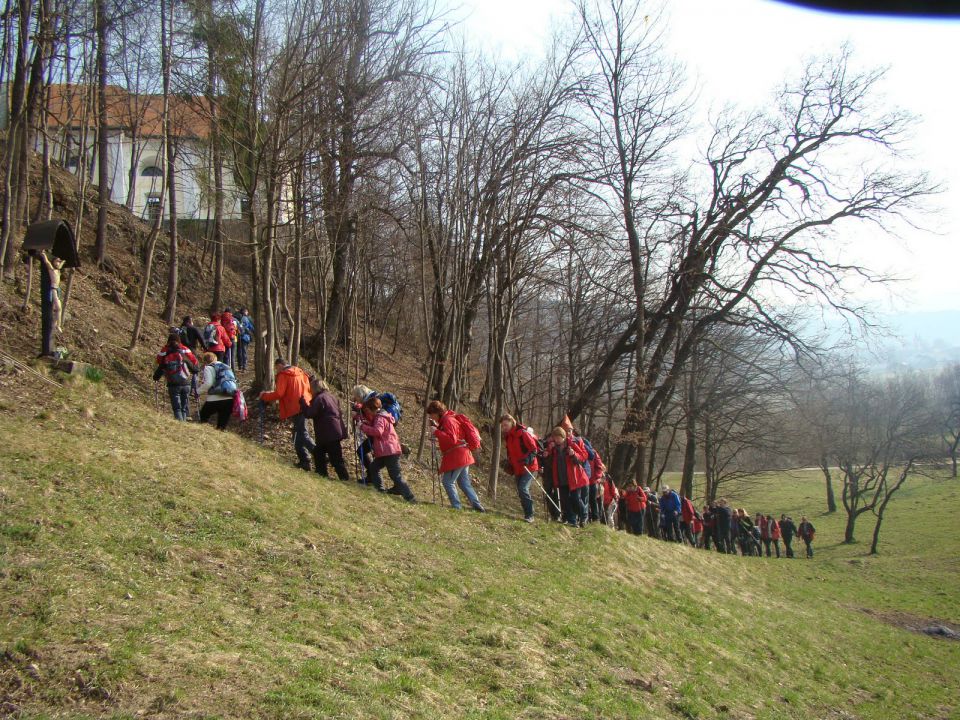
(922, 340)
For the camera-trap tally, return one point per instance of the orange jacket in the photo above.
(292, 384)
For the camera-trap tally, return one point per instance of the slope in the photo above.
(147, 572)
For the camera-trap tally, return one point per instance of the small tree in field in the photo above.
(884, 430)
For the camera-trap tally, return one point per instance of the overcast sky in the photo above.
(739, 51)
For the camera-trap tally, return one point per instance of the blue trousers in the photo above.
(302, 442)
(523, 492)
(179, 400)
(461, 477)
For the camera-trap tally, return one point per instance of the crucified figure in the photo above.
(54, 267)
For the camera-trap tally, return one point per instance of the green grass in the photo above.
(154, 568)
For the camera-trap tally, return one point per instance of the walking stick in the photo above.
(545, 493)
(356, 448)
(262, 407)
(436, 470)
(156, 395)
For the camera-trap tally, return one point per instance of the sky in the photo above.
(739, 51)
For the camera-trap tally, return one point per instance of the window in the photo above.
(244, 206)
(154, 206)
(152, 171)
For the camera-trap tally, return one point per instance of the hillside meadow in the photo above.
(149, 569)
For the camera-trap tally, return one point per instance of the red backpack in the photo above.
(468, 432)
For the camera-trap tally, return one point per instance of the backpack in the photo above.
(174, 367)
(211, 336)
(240, 406)
(390, 403)
(470, 434)
(225, 382)
(591, 456)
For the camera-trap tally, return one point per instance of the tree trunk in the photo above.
(831, 498)
(170, 309)
(103, 148)
(216, 302)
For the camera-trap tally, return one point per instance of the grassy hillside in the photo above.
(152, 569)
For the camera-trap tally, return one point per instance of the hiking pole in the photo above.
(547, 495)
(156, 395)
(262, 407)
(436, 469)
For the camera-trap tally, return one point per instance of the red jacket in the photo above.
(597, 468)
(635, 499)
(610, 492)
(292, 384)
(696, 526)
(687, 511)
(224, 336)
(521, 445)
(226, 319)
(576, 476)
(774, 527)
(452, 446)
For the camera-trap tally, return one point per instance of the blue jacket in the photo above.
(670, 503)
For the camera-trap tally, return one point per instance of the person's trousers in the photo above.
(688, 534)
(575, 504)
(776, 546)
(302, 442)
(180, 400)
(365, 453)
(635, 522)
(788, 545)
(809, 544)
(221, 408)
(392, 464)
(242, 355)
(610, 513)
(460, 476)
(722, 536)
(334, 452)
(594, 504)
(523, 492)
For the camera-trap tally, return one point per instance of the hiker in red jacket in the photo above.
(216, 338)
(635, 500)
(292, 384)
(178, 365)
(772, 528)
(688, 514)
(456, 456)
(229, 325)
(522, 449)
(565, 454)
(611, 500)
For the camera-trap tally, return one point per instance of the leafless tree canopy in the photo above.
(538, 232)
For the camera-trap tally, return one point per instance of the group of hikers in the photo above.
(573, 480)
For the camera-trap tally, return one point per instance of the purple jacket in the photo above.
(381, 432)
(324, 410)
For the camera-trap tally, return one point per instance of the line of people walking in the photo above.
(575, 486)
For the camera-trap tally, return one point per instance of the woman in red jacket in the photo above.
(457, 458)
(565, 454)
(522, 449)
(635, 500)
(774, 532)
(611, 500)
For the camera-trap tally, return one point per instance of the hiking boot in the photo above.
(412, 500)
(528, 519)
(480, 509)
